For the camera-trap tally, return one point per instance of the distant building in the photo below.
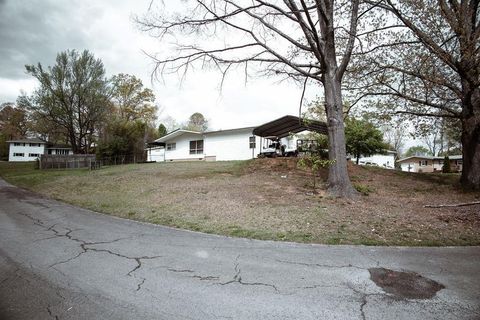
(430, 164)
(386, 160)
(31, 149)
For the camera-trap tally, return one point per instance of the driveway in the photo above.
(62, 262)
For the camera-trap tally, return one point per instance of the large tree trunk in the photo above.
(73, 142)
(470, 179)
(338, 181)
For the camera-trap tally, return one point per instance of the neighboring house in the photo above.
(221, 145)
(386, 160)
(430, 164)
(32, 149)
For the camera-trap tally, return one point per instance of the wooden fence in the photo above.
(76, 161)
(71, 161)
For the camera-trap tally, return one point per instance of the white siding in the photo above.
(26, 150)
(382, 160)
(413, 165)
(156, 154)
(60, 151)
(409, 166)
(182, 150)
(231, 145)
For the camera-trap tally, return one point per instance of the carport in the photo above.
(286, 125)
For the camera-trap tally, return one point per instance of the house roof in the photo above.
(179, 132)
(175, 134)
(454, 157)
(280, 127)
(58, 146)
(28, 140)
(285, 125)
(230, 130)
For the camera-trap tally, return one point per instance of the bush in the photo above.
(446, 165)
(314, 163)
(363, 189)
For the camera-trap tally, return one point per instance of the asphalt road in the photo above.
(62, 262)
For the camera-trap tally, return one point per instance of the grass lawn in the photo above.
(268, 199)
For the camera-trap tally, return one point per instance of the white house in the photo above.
(386, 160)
(430, 164)
(221, 145)
(32, 149)
(233, 144)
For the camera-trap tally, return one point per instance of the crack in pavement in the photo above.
(315, 286)
(362, 306)
(319, 265)
(237, 278)
(51, 313)
(180, 270)
(139, 285)
(364, 299)
(195, 276)
(86, 247)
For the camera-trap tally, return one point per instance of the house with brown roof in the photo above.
(430, 164)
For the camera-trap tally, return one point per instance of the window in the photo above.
(34, 144)
(196, 147)
(63, 151)
(252, 142)
(19, 154)
(171, 146)
(18, 144)
(34, 155)
(423, 163)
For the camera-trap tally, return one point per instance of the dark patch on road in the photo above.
(15, 193)
(405, 285)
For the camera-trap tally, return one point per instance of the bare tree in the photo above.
(394, 136)
(430, 67)
(197, 122)
(304, 40)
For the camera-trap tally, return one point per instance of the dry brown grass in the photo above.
(272, 199)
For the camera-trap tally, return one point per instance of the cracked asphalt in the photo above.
(62, 262)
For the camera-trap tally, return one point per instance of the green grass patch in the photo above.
(363, 188)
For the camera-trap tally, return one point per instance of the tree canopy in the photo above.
(429, 67)
(73, 95)
(13, 125)
(13, 121)
(363, 138)
(162, 130)
(132, 100)
(417, 151)
(197, 122)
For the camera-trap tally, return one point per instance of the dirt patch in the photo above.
(405, 285)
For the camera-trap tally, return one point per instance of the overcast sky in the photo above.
(36, 30)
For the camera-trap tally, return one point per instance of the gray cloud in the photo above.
(34, 31)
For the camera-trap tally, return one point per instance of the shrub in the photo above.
(446, 165)
(363, 189)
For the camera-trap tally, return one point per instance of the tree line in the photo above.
(76, 104)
